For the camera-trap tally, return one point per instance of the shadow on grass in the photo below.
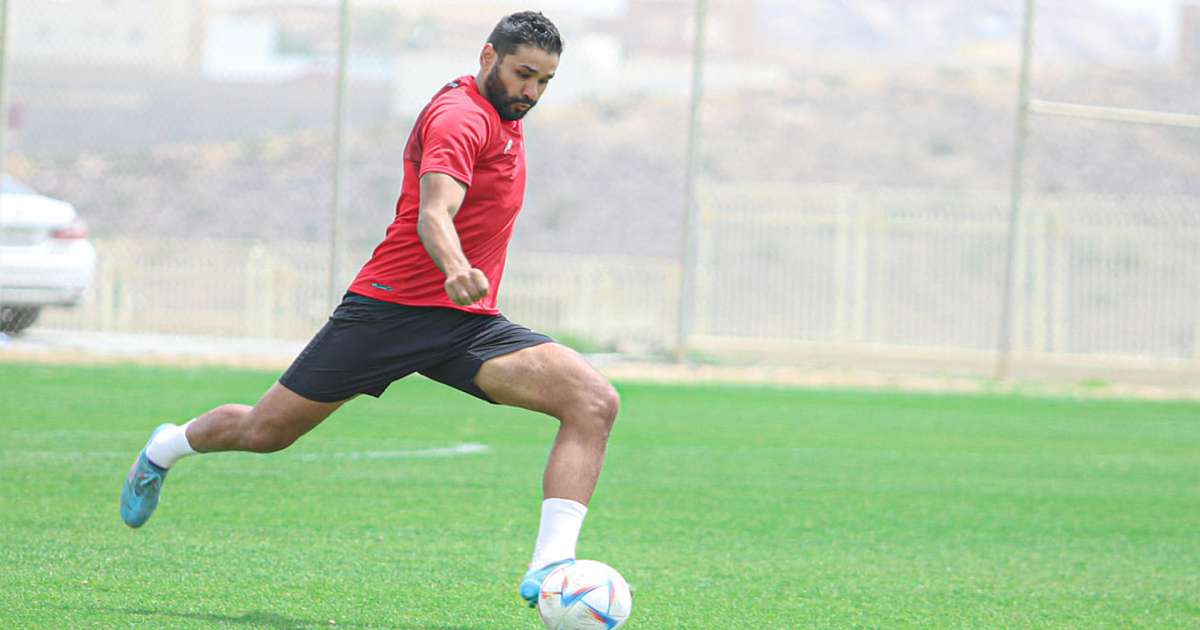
(260, 619)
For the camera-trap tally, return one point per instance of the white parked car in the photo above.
(45, 257)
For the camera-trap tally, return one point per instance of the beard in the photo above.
(504, 104)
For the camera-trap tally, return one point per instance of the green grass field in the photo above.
(726, 507)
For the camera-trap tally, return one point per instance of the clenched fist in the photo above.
(466, 287)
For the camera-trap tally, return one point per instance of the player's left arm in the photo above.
(441, 197)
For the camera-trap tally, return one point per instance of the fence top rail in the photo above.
(1115, 114)
(796, 203)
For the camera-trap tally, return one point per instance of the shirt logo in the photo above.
(508, 147)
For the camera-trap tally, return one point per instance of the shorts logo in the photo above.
(382, 287)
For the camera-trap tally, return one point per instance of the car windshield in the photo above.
(14, 186)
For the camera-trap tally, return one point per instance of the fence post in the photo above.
(842, 267)
(861, 274)
(1196, 333)
(258, 293)
(339, 122)
(3, 82)
(1004, 347)
(1037, 308)
(106, 290)
(269, 289)
(1058, 239)
(879, 286)
(688, 255)
(3, 90)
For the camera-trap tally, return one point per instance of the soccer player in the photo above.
(426, 302)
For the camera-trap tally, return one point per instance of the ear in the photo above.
(487, 57)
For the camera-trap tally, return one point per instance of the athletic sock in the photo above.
(558, 532)
(169, 446)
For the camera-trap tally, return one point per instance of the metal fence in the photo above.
(908, 268)
(279, 289)
(858, 175)
(1097, 274)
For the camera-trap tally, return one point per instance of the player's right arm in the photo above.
(441, 197)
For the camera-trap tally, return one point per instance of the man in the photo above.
(426, 302)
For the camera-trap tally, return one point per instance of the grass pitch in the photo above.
(726, 507)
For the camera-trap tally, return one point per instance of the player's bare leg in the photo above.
(555, 380)
(274, 423)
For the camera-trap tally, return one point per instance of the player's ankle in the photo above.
(558, 531)
(169, 446)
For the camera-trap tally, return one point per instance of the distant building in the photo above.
(1189, 35)
(163, 35)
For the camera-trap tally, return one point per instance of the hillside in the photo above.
(609, 176)
(1079, 30)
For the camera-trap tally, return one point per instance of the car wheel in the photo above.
(14, 319)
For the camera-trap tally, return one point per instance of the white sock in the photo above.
(558, 532)
(169, 446)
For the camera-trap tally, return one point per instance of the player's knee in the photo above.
(596, 408)
(609, 403)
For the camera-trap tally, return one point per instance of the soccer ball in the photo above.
(585, 595)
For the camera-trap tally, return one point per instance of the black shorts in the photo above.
(368, 343)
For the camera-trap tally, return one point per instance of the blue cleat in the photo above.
(531, 586)
(139, 496)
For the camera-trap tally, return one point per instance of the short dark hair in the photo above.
(526, 27)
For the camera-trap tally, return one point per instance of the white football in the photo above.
(585, 595)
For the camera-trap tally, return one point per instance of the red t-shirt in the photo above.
(460, 134)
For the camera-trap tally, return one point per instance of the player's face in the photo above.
(517, 81)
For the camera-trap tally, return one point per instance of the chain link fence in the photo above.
(851, 170)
